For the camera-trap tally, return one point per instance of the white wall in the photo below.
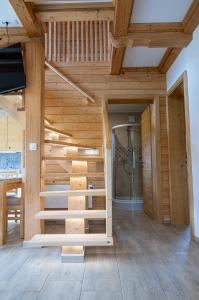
(188, 61)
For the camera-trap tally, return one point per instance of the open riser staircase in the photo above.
(67, 161)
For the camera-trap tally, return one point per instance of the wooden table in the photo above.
(5, 186)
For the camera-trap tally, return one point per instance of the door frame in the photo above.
(153, 101)
(183, 79)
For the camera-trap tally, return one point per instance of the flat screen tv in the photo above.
(12, 76)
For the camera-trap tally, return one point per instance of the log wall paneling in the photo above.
(65, 108)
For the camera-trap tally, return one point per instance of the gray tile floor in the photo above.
(148, 261)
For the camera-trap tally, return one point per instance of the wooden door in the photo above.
(178, 161)
(147, 162)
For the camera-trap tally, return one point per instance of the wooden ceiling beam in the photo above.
(64, 5)
(140, 69)
(12, 31)
(156, 27)
(152, 39)
(191, 19)
(13, 40)
(76, 15)
(16, 35)
(117, 56)
(123, 10)
(26, 15)
(168, 59)
(190, 22)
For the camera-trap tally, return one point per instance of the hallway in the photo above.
(148, 261)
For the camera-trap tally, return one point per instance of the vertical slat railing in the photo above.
(63, 41)
(68, 42)
(73, 40)
(55, 41)
(77, 41)
(82, 40)
(100, 41)
(86, 27)
(108, 40)
(105, 39)
(58, 41)
(107, 169)
(96, 41)
(49, 41)
(91, 41)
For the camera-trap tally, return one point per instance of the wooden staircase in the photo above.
(76, 217)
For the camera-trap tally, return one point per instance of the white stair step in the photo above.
(56, 240)
(70, 214)
(72, 193)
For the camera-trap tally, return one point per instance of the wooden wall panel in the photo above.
(178, 161)
(165, 204)
(11, 134)
(68, 110)
(147, 172)
(15, 135)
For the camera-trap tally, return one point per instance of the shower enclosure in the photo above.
(127, 166)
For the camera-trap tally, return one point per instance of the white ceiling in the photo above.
(7, 14)
(143, 57)
(151, 11)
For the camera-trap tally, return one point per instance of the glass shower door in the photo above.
(127, 162)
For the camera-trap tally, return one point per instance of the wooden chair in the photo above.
(15, 210)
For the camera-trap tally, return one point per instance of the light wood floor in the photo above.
(148, 261)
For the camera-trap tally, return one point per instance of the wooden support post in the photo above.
(34, 134)
(123, 11)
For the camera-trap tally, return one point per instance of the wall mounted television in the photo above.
(12, 76)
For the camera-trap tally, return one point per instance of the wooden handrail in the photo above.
(106, 127)
(66, 79)
(47, 121)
